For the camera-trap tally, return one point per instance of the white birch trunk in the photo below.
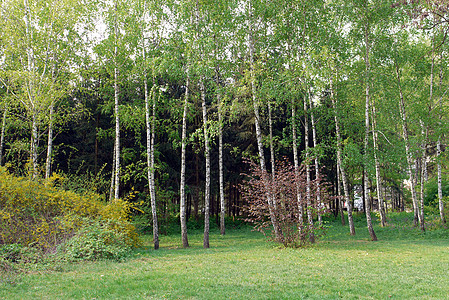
(2, 137)
(207, 154)
(220, 167)
(273, 217)
(49, 143)
(340, 202)
(116, 112)
(340, 163)
(150, 132)
(273, 164)
(152, 177)
(31, 92)
(440, 188)
(220, 149)
(296, 166)
(423, 175)
(308, 183)
(407, 148)
(34, 145)
(377, 166)
(270, 124)
(365, 148)
(183, 208)
(317, 165)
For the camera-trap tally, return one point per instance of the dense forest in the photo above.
(280, 111)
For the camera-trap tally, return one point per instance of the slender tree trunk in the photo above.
(423, 175)
(340, 163)
(150, 123)
(273, 217)
(440, 188)
(220, 167)
(317, 167)
(49, 143)
(116, 112)
(365, 148)
(34, 146)
(152, 175)
(270, 125)
(340, 202)
(308, 183)
(185, 241)
(207, 154)
(296, 166)
(2, 137)
(31, 91)
(273, 163)
(220, 149)
(377, 166)
(407, 147)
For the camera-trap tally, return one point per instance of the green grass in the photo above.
(403, 264)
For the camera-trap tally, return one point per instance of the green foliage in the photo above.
(95, 240)
(16, 253)
(431, 194)
(41, 215)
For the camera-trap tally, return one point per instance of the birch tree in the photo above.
(43, 49)
(251, 32)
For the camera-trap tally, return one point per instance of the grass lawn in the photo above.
(403, 264)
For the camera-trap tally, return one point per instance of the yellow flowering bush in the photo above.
(42, 215)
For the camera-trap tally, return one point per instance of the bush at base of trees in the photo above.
(95, 240)
(40, 215)
(284, 187)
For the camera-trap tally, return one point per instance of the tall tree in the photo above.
(41, 54)
(251, 31)
(340, 160)
(367, 129)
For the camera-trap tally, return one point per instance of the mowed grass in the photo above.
(403, 264)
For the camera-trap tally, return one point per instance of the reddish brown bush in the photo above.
(284, 187)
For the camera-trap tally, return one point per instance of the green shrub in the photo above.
(96, 240)
(11, 252)
(44, 216)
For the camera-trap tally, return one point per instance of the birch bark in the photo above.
(317, 165)
(377, 166)
(423, 175)
(116, 110)
(31, 90)
(150, 123)
(49, 143)
(407, 147)
(339, 162)
(273, 217)
(2, 137)
(220, 167)
(367, 128)
(183, 218)
(273, 163)
(440, 189)
(296, 166)
(207, 154)
(308, 183)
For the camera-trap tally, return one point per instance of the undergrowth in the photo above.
(40, 221)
